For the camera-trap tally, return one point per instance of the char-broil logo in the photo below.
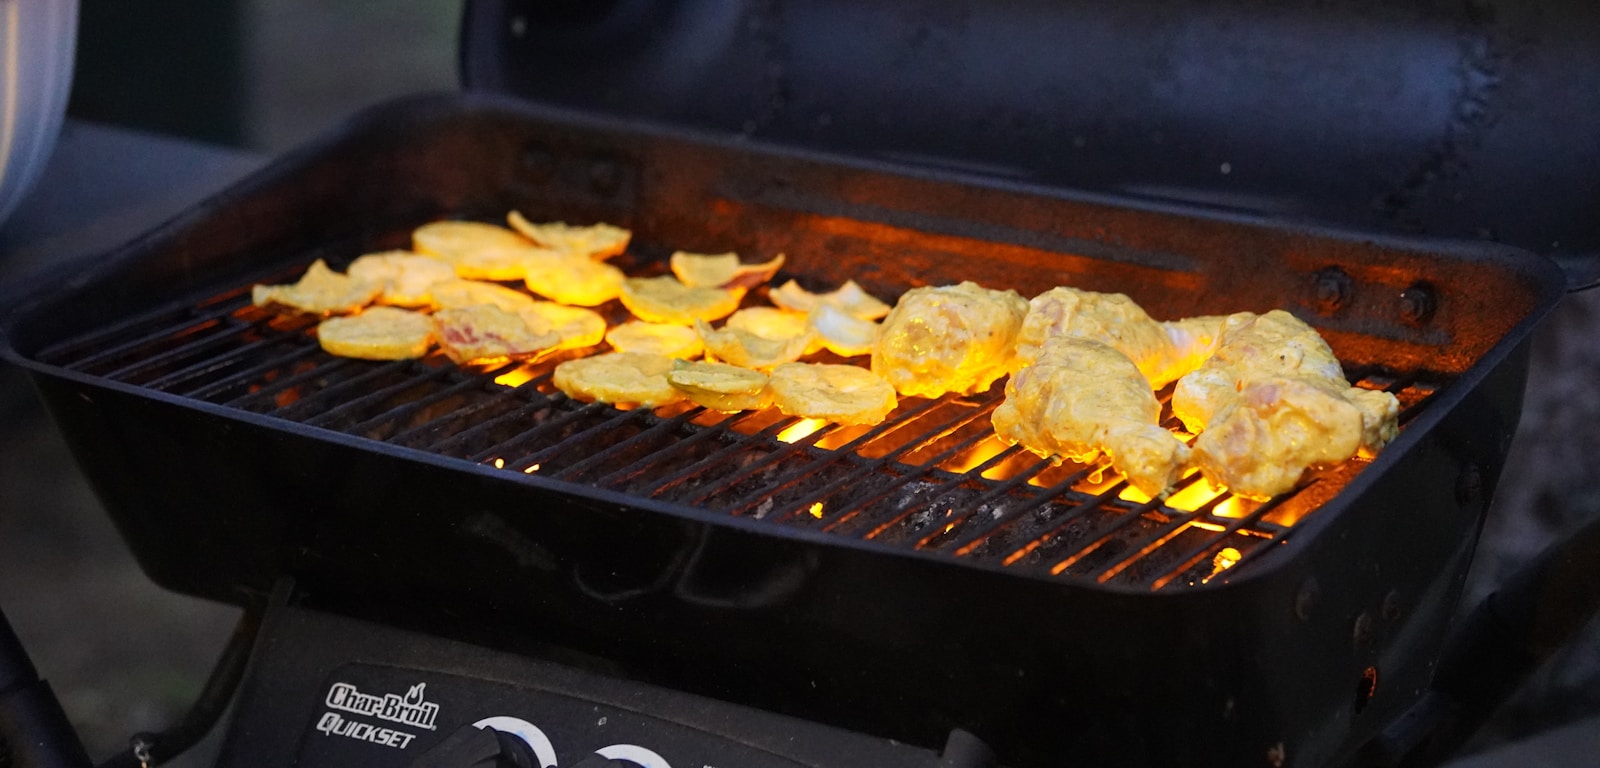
(411, 709)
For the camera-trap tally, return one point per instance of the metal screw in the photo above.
(1331, 289)
(1363, 631)
(1417, 304)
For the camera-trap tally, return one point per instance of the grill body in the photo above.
(897, 640)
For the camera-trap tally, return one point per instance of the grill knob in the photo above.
(471, 747)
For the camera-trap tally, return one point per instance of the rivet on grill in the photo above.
(1331, 289)
(1305, 600)
(1469, 485)
(1363, 631)
(605, 177)
(1417, 304)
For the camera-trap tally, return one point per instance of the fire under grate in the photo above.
(932, 477)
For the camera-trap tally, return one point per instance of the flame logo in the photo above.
(414, 695)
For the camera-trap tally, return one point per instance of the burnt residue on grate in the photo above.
(932, 477)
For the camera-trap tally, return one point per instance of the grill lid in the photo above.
(1442, 118)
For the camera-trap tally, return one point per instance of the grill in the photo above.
(932, 478)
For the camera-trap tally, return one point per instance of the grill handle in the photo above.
(1503, 640)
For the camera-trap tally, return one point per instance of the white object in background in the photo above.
(37, 38)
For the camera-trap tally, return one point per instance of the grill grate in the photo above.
(932, 477)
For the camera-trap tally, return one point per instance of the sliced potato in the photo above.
(379, 333)
(720, 387)
(320, 291)
(618, 377)
(721, 270)
(748, 350)
(407, 278)
(477, 251)
(674, 341)
(460, 294)
(666, 300)
(596, 241)
(577, 327)
(574, 280)
(842, 333)
(850, 297)
(485, 333)
(846, 394)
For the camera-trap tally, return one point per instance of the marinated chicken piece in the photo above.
(1080, 398)
(850, 298)
(721, 387)
(378, 333)
(461, 294)
(476, 250)
(1194, 341)
(954, 338)
(1110, 318)
(596, 241)
(1273, 402)
(572, 279)
(320, 291)
(577, 327)
(750, 350)
(722, 270)
(407, 278)
(674, 341)
(486, 333)
(618, 377)
(845, 394)
(666, 300)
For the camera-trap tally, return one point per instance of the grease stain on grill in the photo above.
(932, 478)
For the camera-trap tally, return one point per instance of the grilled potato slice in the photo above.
(485, 333)
(846, 394)
(748, 350)
(320, 291)
(577, 327)
(618, 377)
(460, 294)
(407, 278)
(596, 241)
(666, 300)
(773, 323)
(842, 333)
(573, 279)
(674, 341)
(378, 333)
(477, 251)
(719, 386)
(850, 297)
(721, 270)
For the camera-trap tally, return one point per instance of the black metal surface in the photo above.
(1462, 119)
(816, 623)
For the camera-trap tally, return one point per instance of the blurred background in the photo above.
(261, 76)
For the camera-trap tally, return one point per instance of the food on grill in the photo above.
(1273, 402)
(577, 327)
(721, 270)
(595, 241)
(845, 394)
(752, 350)
(320, 291)
(572, 279)
(1110, 318)
(666, 300)
(476, 250)
(1194, 340)
(460, 294)
(721, 387)
(849, 297)
(1080, 398)
(626, 378)
(675, 341)
(485, 333)
(954, 338)
(407, 278)
(841, 333)
(771, 323)
(378, 333)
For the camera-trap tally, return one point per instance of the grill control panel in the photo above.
(325, 690)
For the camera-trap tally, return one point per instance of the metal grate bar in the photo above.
(660, 428)
(380, 394)
(271, 390)
(452, 444)
(527, 435)
(1232, 527)
(719, 430)
(897, 514)
(720, 456)
(89, 351)
(464, 383)
(1175, 525)
(198, 341)
(324, 397)
(245, 351)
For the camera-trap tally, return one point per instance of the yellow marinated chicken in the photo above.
(1080, 398)
(1112, 319)
(953, 338)
(1272, 402)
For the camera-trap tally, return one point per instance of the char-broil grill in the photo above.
(901, 581)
